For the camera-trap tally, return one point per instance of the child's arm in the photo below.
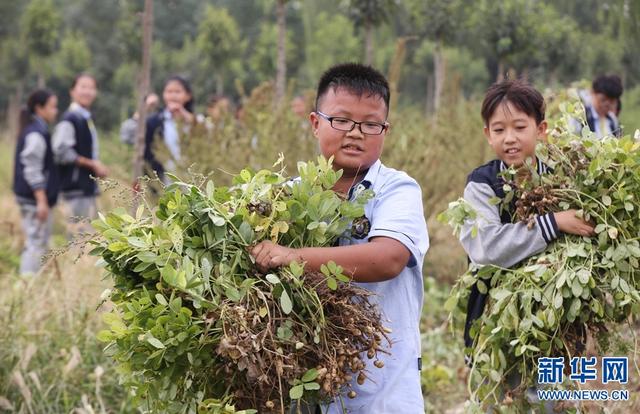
(496, 243)
(504, 245)
(381, 259)
(153, 123)
(32, 159)
(63, 142)
(398, 238)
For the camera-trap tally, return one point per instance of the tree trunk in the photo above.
(428, 107)
(143, 88)
(13, 110)
(500, 75)
(368, 42)
(439, 68)
(219, 84)
(395, 68)
(281, 65)
(41, 81)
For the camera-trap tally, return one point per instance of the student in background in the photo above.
(162, 127)
(35, 178)
(75, 150)
(129, 126)
(602, 109)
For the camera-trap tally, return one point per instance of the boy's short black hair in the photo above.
(519, 93)
(609, 85)
(356, 78)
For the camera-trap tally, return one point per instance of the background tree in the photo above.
(143, 90)
(72, 57)
(281, 67)
(439, 21)
(369, 14)
(218, 41)
(506, 30)
(40, 24)
(264, 59)
(331, 40)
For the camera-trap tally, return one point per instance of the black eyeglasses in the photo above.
(346, 124)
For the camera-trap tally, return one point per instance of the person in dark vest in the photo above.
(75, 150)
(164, 126)
(35, 177)
(602, 106)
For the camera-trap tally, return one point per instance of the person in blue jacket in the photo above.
(35, 178)
(75, 150)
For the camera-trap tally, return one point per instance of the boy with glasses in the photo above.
(385, 255)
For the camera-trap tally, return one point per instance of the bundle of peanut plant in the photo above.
(197, 328)
(579, 287)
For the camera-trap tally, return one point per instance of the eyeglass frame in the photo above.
(384, 126)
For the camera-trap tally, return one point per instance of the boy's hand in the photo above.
(99, 169)
(569, 223)
(42, 205)
(269, 255)
(42, 211)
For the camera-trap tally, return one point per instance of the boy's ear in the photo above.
(542, 130)
(314, 120)
(486, 133)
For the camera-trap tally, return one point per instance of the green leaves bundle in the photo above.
(579, 286)
(197, 328)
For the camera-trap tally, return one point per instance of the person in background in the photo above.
(129, 126)
(163, 125)
(218, 107)
(218, 110)
(299, 107)
(76, 151)
(35, 178)
(602, 105)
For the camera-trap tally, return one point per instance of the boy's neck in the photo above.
(533, 163)
(348, 180)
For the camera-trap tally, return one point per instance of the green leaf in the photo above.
(161, 300)
(139, 211)
(285, 302)
(311, 386)
(176, 304)
(451, 303)
(310, 375)
(558, 300)
(155, 342)
(137, 242)
(332, 283)
(495, 375)
(181, 279)
(296, 268)
(295, 393)
(583, 276)
(169, 275)
(606, 200)
(271, 278)
(246, 232)
(500, 294)
(105, 336)
(176, 237)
